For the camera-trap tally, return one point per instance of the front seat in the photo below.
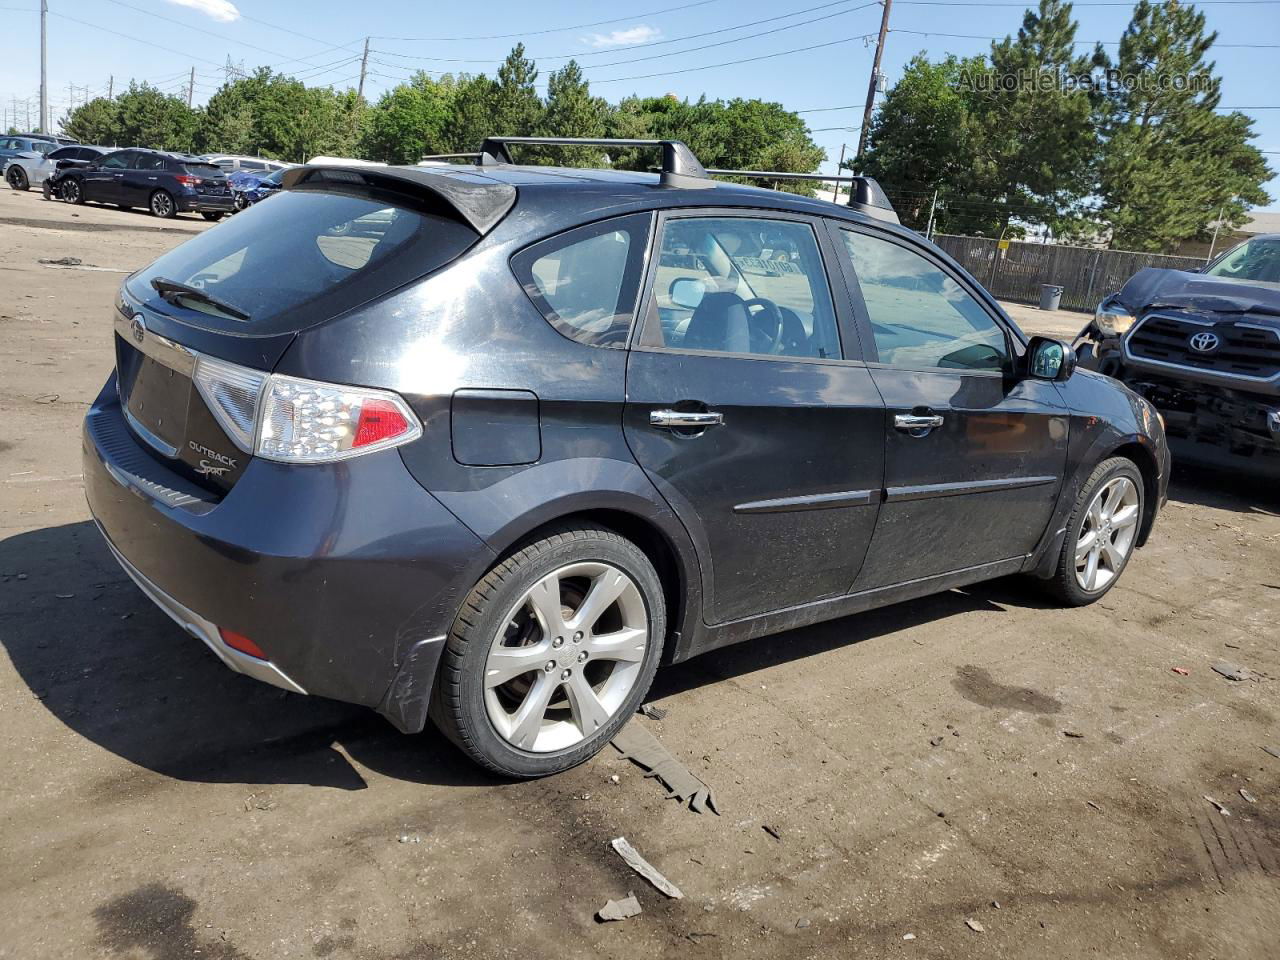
(719, 323)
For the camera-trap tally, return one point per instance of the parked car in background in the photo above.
(80, 156)
(164, 183)
(232, 163)
(24, 147)
(249, 188)
(485, 444)
(25, 172)
(1204, 347)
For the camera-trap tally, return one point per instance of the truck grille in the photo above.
(1252, 352)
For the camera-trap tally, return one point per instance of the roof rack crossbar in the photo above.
(866, 195)
(680, 168)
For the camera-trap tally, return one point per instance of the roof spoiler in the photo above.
(865, 195)
(477, 201)
(680, 168)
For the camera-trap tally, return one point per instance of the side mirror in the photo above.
(686, 292)
(1049, 359)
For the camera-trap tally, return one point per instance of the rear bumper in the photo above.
(348, 576)
(189, 203)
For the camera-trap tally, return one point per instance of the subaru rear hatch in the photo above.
(198, 330)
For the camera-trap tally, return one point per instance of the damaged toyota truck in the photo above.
(1204, 348)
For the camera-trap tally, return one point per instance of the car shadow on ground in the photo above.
(108, 664)
(1224, 489)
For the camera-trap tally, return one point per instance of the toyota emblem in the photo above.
(1204, 342)
(138, 329)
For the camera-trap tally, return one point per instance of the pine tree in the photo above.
(571, 111)
(516, 109)
(1171, 161)
(1037, 144)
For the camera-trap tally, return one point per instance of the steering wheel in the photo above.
(765, 326)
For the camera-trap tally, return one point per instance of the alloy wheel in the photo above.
(1108, 534)
(161, 205)
(566, 657)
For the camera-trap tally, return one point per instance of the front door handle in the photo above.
(675, 419)
(917, 424)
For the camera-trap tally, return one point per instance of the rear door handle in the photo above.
(917, 424)
(673, 419)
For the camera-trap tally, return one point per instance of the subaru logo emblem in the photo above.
(1204, 342)
(137, 329)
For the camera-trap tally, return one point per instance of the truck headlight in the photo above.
(1112, 318)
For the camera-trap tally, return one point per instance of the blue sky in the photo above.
(321, 41)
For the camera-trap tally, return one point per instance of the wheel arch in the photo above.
(674, 562)
(1148, 467)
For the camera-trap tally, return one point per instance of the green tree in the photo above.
(1171, 161)
(472, 117)
(515, 108)
(148, 118)
(571, 111)
(97, 121)
(409, 120)
(922, 140)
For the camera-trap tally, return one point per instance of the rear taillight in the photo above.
(301, 421)
(187, 180)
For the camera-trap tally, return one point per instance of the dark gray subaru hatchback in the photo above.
(486, 443)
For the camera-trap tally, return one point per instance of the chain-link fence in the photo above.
(1013, 270)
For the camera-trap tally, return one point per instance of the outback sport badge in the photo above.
(220, 465)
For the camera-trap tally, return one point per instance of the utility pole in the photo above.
(1216, 224)
(191, 87)
(875, 82)
(364, 62)
(111, 86)
(835, 190)
(44, 69)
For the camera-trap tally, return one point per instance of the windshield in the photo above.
(1257, 261)
(303, 258)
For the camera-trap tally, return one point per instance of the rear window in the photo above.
(198, 169)
(303, 258)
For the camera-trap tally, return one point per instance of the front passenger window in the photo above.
(117, 161)
(920, 316)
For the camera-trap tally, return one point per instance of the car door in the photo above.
(974, 455)
(103, 181)
(750, 409)
(145, 175)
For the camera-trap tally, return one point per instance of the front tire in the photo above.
(73, 191)
(16, 177)
(1102, 533)
(163, 205)
(551, 653)
(212, 216)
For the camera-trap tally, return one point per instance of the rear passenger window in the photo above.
(585, 281)
(742, 285)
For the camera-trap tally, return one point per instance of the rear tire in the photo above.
(212, 216)
(551, 653)
(163, 206)
(16, 177)
(1102, 533)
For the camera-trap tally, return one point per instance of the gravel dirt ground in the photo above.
(978, 774)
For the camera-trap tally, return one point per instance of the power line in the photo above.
(1106, 43)
(639, 46)
(181, 53)
(730, 63)
(536, 33)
